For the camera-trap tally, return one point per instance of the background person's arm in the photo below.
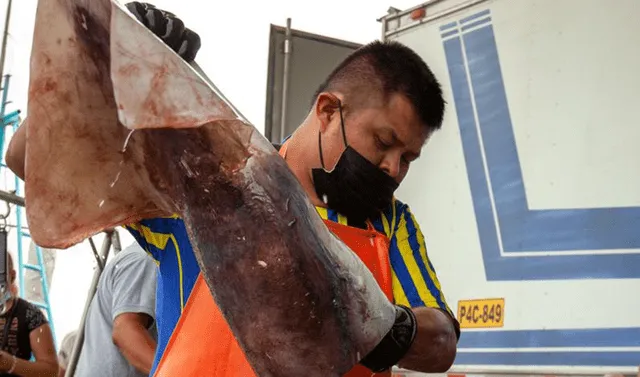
(131, 335)
(133, 309)
(44, 352)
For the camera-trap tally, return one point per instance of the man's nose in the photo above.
(391, 165)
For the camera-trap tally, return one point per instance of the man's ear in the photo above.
(327, 108)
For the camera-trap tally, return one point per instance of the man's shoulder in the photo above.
(132, 258)
(132, 254)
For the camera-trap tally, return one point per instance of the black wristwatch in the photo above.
(395, 344)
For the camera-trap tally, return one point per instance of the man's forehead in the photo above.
(403, 120)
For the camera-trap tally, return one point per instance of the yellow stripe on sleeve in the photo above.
(425, 260)
(407, 253)
(399, 297)
(175, 244)
(160, 241)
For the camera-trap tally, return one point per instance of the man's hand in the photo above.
(166, 26)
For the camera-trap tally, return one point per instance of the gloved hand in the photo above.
(184, 41)
(395, 344)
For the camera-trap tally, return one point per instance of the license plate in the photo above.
(481, 313)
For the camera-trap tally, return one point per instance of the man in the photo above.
(66, 347)
(119, 332)
(25, 333)
(368, 122)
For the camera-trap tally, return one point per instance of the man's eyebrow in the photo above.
(396, 139)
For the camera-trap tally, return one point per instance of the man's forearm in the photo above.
(434, 347)
(25, 368)
(136, 345)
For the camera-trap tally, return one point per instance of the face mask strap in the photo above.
(344, 135)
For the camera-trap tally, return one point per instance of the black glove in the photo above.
(395, 344)
(169, 28)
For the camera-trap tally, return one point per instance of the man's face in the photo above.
(391, 136)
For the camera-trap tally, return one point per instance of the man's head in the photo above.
(383, 102)
(391, 103)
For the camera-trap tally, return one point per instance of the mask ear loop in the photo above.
(344, 135)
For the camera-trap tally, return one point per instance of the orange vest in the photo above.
(203, 344)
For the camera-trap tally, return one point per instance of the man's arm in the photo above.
(15, 156)
(435, 344)
(133, 308)
(131, 335)
(434, 347)
(426, 332)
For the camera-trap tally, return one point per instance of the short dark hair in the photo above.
(387, 68)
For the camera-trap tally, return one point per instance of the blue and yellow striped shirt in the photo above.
(415, 283)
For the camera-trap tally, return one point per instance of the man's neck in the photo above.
(301, 172)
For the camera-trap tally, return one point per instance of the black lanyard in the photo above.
(7, 325)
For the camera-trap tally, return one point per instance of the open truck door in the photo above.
(298, 63)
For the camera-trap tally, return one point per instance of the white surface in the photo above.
(576, 131)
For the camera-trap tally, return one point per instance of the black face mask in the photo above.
(355, 188)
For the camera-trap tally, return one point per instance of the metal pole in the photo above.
(77, 345)
(12, 198)
(18, 222)
(115, 242)
(285, 79)
(5, 37)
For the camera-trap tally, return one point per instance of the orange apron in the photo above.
(203, 344)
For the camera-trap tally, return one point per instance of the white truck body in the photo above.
(529, 196)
